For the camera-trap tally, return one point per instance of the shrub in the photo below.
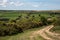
(44, 20)
(9, 29)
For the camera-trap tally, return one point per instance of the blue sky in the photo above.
(29, 4)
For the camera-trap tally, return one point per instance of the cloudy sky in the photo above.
(29, 4)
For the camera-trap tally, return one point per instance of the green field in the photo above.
(14, 15)
(23, 36)
(56, 29)
(20, 24)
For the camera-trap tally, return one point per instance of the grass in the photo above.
(4, 38)
(38, 37)
(14, 15)
(53, 37)
(56, 29)
(23, 36)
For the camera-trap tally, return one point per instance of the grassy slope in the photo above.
(56, 29)
(23, 36)
(14, 15)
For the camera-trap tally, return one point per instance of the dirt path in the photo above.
(42, 33)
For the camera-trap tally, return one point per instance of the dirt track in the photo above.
(43, 33)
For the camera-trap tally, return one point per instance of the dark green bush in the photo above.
(9, 29)
(44, 20)
(21, 24)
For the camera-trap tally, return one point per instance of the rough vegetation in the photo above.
(24, 20)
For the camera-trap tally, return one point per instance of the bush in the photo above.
(9, 29)
(57, 22)
(18, 26)
(44, 20)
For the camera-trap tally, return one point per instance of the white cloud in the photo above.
(17, 3)
(11, 3)
(3, 3)
(35, 5)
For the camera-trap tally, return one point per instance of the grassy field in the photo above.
(23, 36)
(25, 20)
(15, 14)
(56, 29)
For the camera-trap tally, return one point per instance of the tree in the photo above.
(33, 17)
(39, 15)
(43, 20)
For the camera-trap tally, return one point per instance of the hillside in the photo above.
(14, 23)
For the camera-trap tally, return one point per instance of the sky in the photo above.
(29, 4)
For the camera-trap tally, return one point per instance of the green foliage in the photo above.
(44, 20)
(22, 20)
(9, 29)
(56, 27)
(57, 22)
